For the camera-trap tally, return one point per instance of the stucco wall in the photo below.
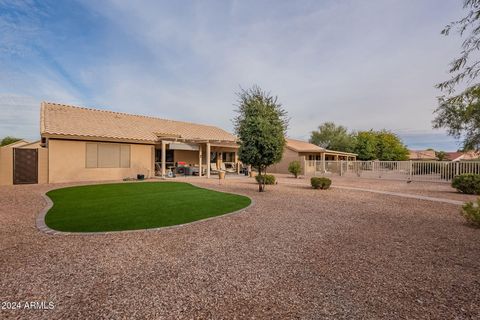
(190, 157)
(42, 165)
(288, 156)
(6, 166)
(66, 163)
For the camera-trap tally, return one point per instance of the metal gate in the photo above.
(25, 166)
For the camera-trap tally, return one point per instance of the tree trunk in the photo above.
(261, 186)
(264, 179)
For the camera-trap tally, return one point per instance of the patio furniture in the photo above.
(228, 167)
(213, 168)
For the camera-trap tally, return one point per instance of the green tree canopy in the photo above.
(461, 116)
(366, 145)
(261, 124)
(460, 113)
(333, 137)
(441, 155)
(8, 140)
(390, 147)
(380, 145)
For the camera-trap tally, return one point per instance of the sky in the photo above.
(369, 64)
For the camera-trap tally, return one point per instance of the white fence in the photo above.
(435, 171)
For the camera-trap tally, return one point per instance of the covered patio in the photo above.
(176, 156)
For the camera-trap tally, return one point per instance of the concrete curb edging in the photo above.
(42, 226)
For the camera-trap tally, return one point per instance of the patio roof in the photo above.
(306, 147)
(303, 146)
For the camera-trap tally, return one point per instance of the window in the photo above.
(228, 157)
(168, 155)
(107, 155)
(213, 157)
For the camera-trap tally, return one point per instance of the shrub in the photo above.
(320, 183)
(467, 183)
(471, 212)
(295, 168)
(268, 178)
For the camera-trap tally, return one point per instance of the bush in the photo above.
(295, 168)
(269, 179)
(320, 183)
(471, 212)
(467, 183)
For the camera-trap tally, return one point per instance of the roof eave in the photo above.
(95, 138)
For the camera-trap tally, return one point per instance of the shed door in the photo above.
(25, 166)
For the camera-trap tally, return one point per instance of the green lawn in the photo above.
(130, 206)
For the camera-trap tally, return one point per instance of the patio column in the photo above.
(164, 157)
(323, 162)
(199, 160)
(208, 159)
(236, 162)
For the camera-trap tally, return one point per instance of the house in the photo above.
(309, 155)
(83, 144)
(462, 156)
(425, 155)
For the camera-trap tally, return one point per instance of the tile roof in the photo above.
(458, 156)
(65, 120)
(453, 155)
(422, 155)
(303, 146)
(471, 155)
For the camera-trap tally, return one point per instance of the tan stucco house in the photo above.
(83, 144)
(309, 155)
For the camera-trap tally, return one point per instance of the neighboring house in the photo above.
(462, 156)
(422, 155)
(82, 144)
(308, 154)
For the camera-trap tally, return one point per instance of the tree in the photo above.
(8, 140)
(461, 116)
(390, 147)
(261, 124)
(333, 137)
(380, 145)
(461, 68)
(460, 113)
(366, 145)
(441, 155)
(295, 168)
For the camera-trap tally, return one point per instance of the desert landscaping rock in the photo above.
(296, 253)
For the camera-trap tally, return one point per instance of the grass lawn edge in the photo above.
(43, 227)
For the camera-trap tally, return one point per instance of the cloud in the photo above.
(365, 65)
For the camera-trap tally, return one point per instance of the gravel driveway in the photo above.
(296, 253)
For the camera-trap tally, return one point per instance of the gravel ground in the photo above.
(431, 189)
(296, 253)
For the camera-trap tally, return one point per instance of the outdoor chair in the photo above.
(230, 168)
(213, 168)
